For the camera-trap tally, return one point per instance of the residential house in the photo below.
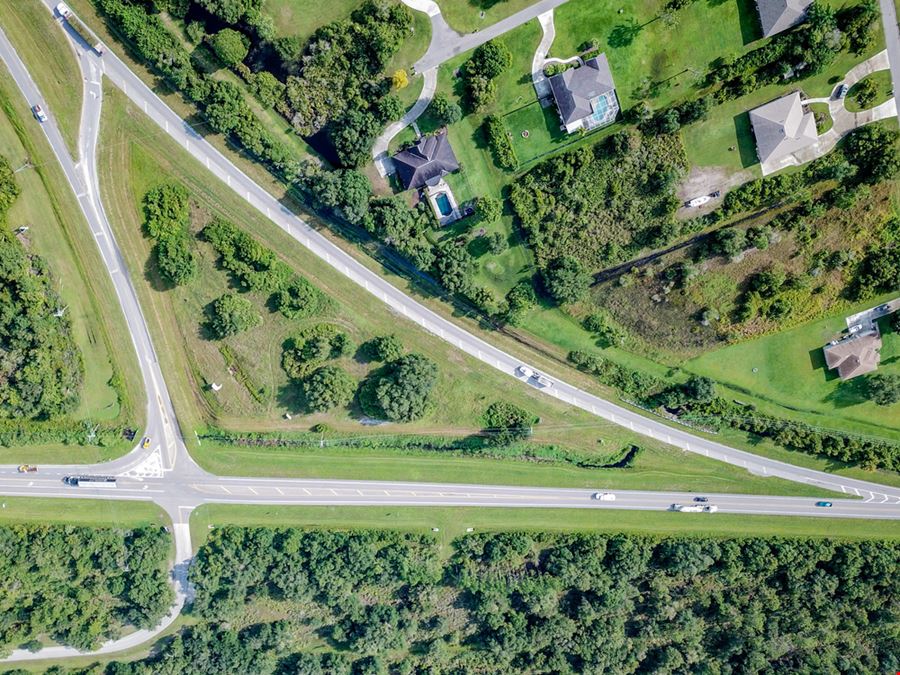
(423, 166)
(782, 127)
(776, 16)
(586, 96)
(854, 355)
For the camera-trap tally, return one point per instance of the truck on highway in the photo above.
(90, 481)
(83, 31)
(694, 508)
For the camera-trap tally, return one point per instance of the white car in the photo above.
(39, 113)
(604, 496)
(856, 328)
(525, 371)
(63, 10)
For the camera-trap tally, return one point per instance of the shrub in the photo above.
(309, 348)
(328, 387)
(232, 314)
(445, 111)
(490, 60)
(499, 142)
(230, 46)
(608, 331)
(166, 219)
(508, 422)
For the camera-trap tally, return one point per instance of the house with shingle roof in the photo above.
(426, 162)
(586, 96)
(854, 355)
(781, 128)
(776, 16)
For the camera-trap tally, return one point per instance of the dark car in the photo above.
(701, 499)
(824, 504)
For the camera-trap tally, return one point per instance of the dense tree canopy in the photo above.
(329, 387)
(883, 388)
(520, 602)
(401, 392)
(80, 585)
(230, 46)
(167, 217)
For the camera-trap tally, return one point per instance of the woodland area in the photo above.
(297, 601)
(80, 586)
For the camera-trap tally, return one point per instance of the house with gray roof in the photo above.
(776, 16)
(781, 128)
(586, 96)
(426, 162)
(854, 355)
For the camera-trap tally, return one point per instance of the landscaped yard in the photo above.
(536, 131)
(467, 16)
(883, 88)
(789, 369)
(823, 117)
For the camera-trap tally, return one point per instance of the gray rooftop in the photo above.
(781, 127)
(574, 88)
(779, 15)
(430, 158)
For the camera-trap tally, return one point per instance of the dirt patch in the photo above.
(706, 180)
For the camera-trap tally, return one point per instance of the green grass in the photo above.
(89, 512)
(882, 80)
(544, 133)
(453, 522)
(659, 468)
(302, 18)
(58, 232)
(45, 49)
(790, 371)
(464, 16)
(822, 110)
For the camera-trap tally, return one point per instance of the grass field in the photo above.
(465, 16)
(453, 522)
(789, 368)
(90, 512)
(535, 131)
(302, 18)
(883, 85)
(51, 61)
(59, 234)
(661, 468)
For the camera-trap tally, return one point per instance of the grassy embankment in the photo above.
(58, 232)
(453, 522)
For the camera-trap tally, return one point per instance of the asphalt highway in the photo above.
(165, 473)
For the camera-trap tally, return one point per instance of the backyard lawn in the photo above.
(536, 131)
(789, 369)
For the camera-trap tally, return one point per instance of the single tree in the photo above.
(230, 46)
(232, 314)
(329, 387)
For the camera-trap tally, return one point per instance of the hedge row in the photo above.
(498, 139)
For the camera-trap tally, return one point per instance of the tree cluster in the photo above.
(167, 221)
(41, 371)
(80, 586)
(488, 62)
(498, 139)
(507, 423)
(401, 390)
(231, 314)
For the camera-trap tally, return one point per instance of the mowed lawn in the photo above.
(45, 49)
(789, 369)
(87, 512)
(454, 522)
(883, 86)
(468, 16)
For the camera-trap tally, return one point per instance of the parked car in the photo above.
(604, 496)
(824, 504)
(701, 499)
(856, 328)
(525, 371)
(842, 91)
(27, 468)
(883, 308)
(39, 113)
(146, 442)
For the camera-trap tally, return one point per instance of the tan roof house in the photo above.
(779, 15)
(781, 128)
(855, 355)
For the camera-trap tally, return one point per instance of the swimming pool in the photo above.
(443, 204)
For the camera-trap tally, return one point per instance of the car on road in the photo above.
(63, 10)
(525, 371)
(824, 504)
(883, 308)
(701, 499)
(27, 468)
(604, 496)
(146, 442)
(545, 382)
(38, 113)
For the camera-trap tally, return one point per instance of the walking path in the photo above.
(383, 163)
